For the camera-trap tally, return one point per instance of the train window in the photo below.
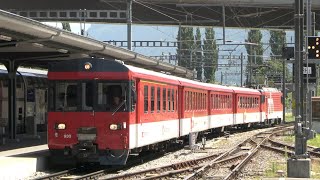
(223, 100)
(172, 99)
(152, 99)
(164, 99)
(102, 97)
(169, 101)
(87, 93)
(205, 101)
(200, 101)
(109, 95)
(194, 98)
(72, 96)
(188, 100)
(146, 99)
(51, 96)
(67, 96)
(228, 101)
(176, 104)
(158, 99)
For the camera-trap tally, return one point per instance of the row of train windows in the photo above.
(164, 99)
(219, 101)
(195, 101)
(248, 102)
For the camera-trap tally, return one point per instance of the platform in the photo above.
(24, 156)
(23, 141)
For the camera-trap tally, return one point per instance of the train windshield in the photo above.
(88, 96)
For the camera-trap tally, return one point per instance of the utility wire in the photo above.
(156, 10)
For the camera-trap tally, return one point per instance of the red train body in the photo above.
(155, 108)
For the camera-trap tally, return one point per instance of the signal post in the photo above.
(299, 165)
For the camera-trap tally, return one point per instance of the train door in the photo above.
(139, 111)
(235, 107)
(181, 107)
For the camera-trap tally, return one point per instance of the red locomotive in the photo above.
(102, 110)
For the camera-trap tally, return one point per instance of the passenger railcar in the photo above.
(102, 110)
(31, 100)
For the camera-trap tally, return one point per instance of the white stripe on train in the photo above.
(149, 133)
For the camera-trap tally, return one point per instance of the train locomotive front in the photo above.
(91, 105)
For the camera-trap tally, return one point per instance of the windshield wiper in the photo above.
(121, 104)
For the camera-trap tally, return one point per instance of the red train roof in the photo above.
(156, 76)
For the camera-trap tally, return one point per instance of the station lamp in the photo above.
(314, 47)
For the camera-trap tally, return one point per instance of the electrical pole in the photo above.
(299, 166)
(241, 58)
(284, 89)
(129, 24)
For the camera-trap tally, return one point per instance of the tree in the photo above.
(255, 51)
(277, 42)
(210, 55)
(66, 26)
(185, 45)
(198, 51)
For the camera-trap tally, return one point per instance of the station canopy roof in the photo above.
(31, 43)
(277, 14)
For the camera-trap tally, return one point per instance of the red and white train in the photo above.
(85, 124)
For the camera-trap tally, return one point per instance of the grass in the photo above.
(315, 141)
(289, 117)
(315, 168)
(289, 139)
(276, 166)
(311, 142)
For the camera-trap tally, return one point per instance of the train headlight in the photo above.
(118, 126)
(87, 66)
(60, 126)
(114, 127)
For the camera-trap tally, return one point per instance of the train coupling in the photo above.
(86, 149)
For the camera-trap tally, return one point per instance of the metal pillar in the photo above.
(241, 58)
(12, 70)
(224, 24)
(284, 89)
(221, 77)
(129, 23)
(299, 166)
(25, 88)
(300, 140)
(313, 29)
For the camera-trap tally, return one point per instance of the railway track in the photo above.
(285, 148)
(94, 172)
(224, 168)
(234, 159)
